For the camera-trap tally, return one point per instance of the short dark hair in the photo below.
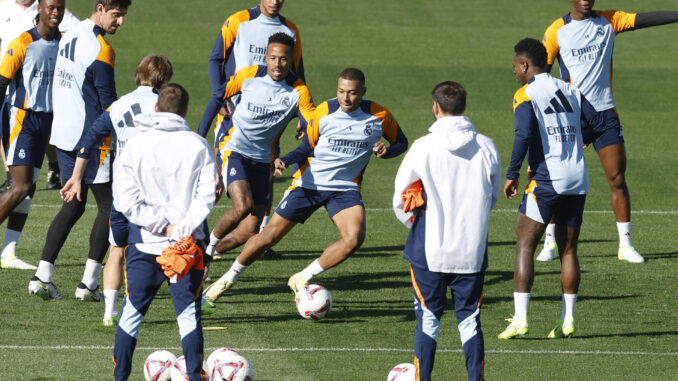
(353, 74)
(154, 71)
(533, 50)
(110, 4)
(451, 97)
(281, 38)
(173, 98)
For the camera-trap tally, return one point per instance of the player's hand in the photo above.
(279, 167)
(300, 134)
(511, 188)
(379, 149)
(72, 189)
(169, 230)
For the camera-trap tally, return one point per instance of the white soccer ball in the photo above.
(402, 372)
(178, 371)
(158, 366)
(313, 302)
(226, 364)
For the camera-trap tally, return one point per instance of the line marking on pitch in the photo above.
(495, 351)
(658, 212)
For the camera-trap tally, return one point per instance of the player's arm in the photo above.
(644, 20)
(203, 199)
(297, 56)
(592, 122)
(221, 52)
(525, 122)
(550, 42)
(11, 64)
(307, 145)
(101, 128)
(103, 74)
(129, 198)
(234, 85)
(391, 132)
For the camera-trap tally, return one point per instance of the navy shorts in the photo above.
(298, 204)
(541, 202)
(28, 136)
(98, 171)
(612, 133)
(119, 228)
(238, 167)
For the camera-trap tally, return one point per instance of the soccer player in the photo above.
(270, 96)
(549, 117)
(341, 137)
(84, 88)
(583, 41)
(165, 186)
(28, 69)
(19, 16)
(152, 73)
(242, 43)
(444, 190)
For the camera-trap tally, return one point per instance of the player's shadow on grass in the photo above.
(650, 256)
(628, 334)
(494, 277)
(557, 298)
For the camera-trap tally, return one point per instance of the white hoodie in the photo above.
(460, 171)
(166, 175)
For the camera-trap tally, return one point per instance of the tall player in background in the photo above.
(270, 96)
(339, 141)
(152, 73)
(583, 41)
(241, 43)
(28, 69)
(84, 88)
(19, 16)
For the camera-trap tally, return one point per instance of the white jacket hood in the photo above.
(163, 121)
(453, 132)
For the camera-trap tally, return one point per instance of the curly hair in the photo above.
(533, 50)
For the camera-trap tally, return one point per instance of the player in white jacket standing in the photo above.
(444, 190)
(165, 186)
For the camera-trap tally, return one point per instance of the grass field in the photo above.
(626, 313)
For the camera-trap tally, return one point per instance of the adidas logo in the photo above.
(556, 108)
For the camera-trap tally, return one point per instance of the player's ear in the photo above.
(364, 91)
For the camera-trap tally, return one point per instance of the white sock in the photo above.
(234, 272)
(9, 244)
(91, 274)
(624, 229)
(111, 298)
(44, 272)
(213, 243)
(264, 222)
(521, 301)
(569, 302)
(312, 270)
(550, 234)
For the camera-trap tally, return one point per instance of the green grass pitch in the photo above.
(626, 315)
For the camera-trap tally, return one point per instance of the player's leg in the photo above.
(88, 289)
(4, 134)
(254, 249)
(534, 211)
(53, 175)
(186, 297)
(144, 278)
(269, 253)
(550, 250)
(467, 293)
(118, 235)
(430, 297)
(242, 205)
(348, 214)
(245, 229)
(568, 223)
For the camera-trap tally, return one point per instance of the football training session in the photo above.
(338, 190)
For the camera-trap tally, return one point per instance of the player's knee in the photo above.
(19, 191)
(353, 241)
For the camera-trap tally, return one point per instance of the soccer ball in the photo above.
(226, 364)
(313, 302)
(402, 372)
(158, 366)
(178, 370)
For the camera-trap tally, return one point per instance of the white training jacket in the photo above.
(166, 175)
(460, 170)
